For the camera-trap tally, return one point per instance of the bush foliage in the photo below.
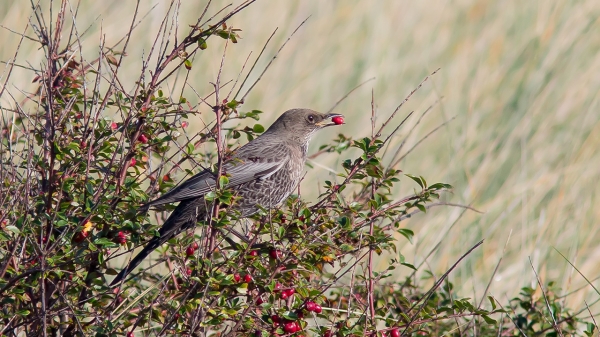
(83, 153)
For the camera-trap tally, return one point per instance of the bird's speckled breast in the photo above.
(273, 190)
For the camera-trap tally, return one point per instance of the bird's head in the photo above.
(302, 123)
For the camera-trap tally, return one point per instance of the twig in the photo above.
(273, 59)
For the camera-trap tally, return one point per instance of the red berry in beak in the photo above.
(338, 120)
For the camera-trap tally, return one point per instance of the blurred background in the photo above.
(521, 79)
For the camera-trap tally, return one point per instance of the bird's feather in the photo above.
(239, 171)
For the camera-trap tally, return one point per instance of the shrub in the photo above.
(73, 180)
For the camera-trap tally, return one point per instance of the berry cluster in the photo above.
(121, 238)
(191, 249)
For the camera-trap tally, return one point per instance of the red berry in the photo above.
(260, 301)
(253, 253)
(79, 237)
(318, 309)
(327, 333)
(114, 125)
(395, 332)
(310, 306)
(190, 251)
(290, 292)
(188, 272)
(278, 287)
(184, 124)
(237, 277)
(338, 120)
(130, 334)
(284, 295)
(132, 162)
(274, 254)
(275, 319)
(195, 245)
(142, 138)
(247, 278)
(290, 327)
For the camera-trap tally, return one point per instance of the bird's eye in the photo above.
(311, 118)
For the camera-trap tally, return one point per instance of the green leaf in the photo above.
(492, 302)
(242, 288)
(258, 128)
(202, 43)
(439, 186)
(189, 148)
(407, 233)
(409, 266)
(488, 319)
(223, 181)
(210, 196)
(13, 229)
(106, 243)
(416, 179)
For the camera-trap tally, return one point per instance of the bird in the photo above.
(263, 173)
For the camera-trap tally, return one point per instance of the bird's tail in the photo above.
(183, 217)
(149, 248)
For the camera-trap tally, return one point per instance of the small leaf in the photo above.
(202, 43)
(488, 319)
(416, 179)
(409, 266)
(112, 60)
(258, 128)
(492, 302)
(242, 288)
(13, 229)
(407, 233)
(223, 180)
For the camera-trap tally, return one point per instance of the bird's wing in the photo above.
(239, 171)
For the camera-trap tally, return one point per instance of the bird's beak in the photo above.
(331, 119)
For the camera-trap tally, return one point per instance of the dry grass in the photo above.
(520, 77)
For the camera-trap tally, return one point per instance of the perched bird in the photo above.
(263, 172)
